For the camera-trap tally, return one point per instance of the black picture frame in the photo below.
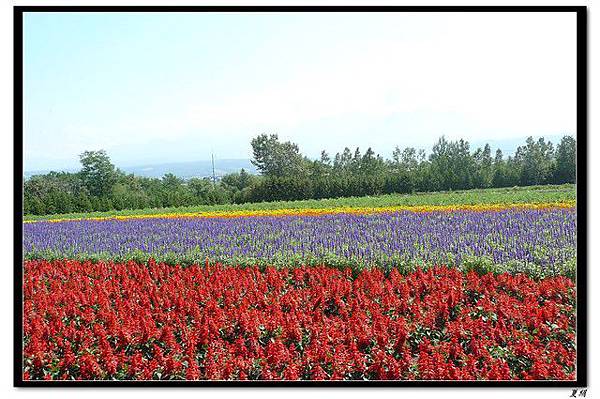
(581, 71)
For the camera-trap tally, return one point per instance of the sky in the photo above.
(166, 87)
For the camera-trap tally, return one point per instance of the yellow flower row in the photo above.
(332, 211)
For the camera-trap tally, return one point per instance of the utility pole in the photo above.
(212, 156)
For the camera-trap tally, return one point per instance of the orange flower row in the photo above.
(332, 211)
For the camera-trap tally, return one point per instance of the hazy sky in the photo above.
(163, 87)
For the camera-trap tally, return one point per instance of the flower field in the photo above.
(465, 292)
(537, 240)
(134, 321)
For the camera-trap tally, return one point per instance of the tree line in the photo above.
(286, 174)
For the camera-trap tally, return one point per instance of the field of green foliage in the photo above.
(532, 194)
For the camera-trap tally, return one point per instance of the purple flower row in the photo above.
(541, 238)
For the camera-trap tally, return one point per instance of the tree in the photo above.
(405, 160)
(356, 162)
(199, 188)
(238, 181)
(325, 159)
(83, 203)
(320, 168)
(463, 165)
(499, 178)
(451, 165)
(175, 191)
(483, 165)
(342, 162)
(537, 162)
(440, 165)
(171, 182)
(566, 157)
(276, 159)
(97, 173)
(371, 164)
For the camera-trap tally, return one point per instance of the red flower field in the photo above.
(105, 320)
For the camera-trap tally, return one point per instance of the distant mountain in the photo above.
(184, 170)
(28, 173)
(187, 170)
